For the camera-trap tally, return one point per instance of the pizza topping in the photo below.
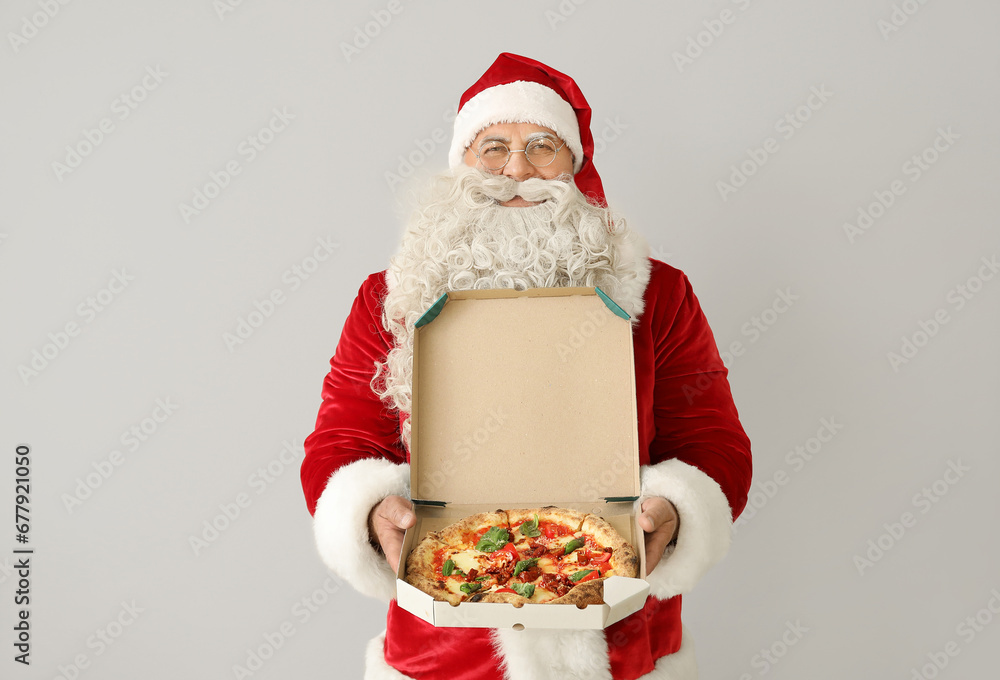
(530, 528)
(534, 550)
(523, 589)
(530, 574)
(494, 539)
(558, 584)
(508, 551)
(523, 565)
(541, 558)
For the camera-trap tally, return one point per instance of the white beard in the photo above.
(461, 238)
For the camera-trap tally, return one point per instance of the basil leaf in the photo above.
(530, 528)
(448, 567)
(523, 589)
(580, 574)
(482, 578)
(469, 588)
(494, 539)
(573, 545)
(524, 564)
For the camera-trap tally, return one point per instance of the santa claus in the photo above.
(523, 207)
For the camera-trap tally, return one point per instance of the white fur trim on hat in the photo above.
(705, 525)
(519, 102)
(340, 523)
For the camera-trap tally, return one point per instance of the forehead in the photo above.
(508, 132)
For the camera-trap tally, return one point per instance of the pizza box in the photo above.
(524, 399)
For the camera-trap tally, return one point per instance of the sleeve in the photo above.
(354, 457)
(700, 456)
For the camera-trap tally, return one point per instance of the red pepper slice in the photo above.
(511, 550)
(600, 557)
(591, 576)
(505, 590)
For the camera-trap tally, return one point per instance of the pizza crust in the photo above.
(454, 534)
(624, 561)
(591, 592)
(461, 536)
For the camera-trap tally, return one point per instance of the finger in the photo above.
(655, 512)
(392, 545)
(397, 511)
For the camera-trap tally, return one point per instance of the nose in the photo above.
(518, 167)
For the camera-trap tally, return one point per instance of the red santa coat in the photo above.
(692, 449)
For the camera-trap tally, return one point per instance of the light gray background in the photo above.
(672, 133)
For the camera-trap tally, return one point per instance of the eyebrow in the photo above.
(506, 140)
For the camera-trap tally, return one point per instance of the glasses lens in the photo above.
(541, 152)
(493, 155)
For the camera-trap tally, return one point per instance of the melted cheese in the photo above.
(467, 560)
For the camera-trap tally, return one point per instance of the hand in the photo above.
(660, 522)
(387, 522)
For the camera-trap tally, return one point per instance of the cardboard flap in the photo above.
(627, 595)
(524, 397)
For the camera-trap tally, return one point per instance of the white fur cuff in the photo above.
(705, 525)
(341, 523)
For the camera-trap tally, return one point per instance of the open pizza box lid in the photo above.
(524, 399)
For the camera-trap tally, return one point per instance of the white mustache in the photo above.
(500, 188)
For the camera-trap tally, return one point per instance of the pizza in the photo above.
(544, 555)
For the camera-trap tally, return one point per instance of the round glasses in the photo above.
(540, 152)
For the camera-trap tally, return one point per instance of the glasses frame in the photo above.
(513, 151)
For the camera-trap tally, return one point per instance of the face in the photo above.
(516, 136)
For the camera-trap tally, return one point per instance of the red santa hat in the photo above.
(517, 89)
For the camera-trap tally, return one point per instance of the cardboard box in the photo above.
(524, 399)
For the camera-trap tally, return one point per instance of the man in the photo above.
(524, 207)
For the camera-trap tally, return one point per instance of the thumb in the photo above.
(400, 514)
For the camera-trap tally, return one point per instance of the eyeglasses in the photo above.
(540, 152)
